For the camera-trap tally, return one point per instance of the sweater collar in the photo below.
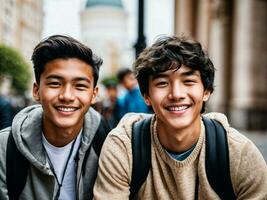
(167, 158)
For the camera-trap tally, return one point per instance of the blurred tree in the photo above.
(12, 65)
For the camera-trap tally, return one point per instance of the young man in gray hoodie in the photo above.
(56, 136)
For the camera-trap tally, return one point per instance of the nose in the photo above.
(176, 92)
(67, 94)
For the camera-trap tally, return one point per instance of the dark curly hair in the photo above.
(61, 46)
(171, 52)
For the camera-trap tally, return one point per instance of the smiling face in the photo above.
(66, 91)
(177, 97)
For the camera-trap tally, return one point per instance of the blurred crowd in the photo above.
(122, 95)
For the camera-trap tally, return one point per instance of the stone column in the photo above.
(184, 17)
(220, 53)
(249, 88)
(203, 21)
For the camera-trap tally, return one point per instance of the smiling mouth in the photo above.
(177, 108)
(66, 109)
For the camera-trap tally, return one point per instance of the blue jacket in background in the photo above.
(134, 102)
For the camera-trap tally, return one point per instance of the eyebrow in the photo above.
(53, 76)
(161, 75)
(190, 72)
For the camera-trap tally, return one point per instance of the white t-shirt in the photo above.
(58, 157)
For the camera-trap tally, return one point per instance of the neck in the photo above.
(60, 137)
(178, 140)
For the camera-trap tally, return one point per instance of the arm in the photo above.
(115, 163)
(251, 174)
(3, 144)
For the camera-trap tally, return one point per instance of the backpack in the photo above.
(216, 163)
(16, 175)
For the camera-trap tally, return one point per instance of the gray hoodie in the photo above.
(41, 183)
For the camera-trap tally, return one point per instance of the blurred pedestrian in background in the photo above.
(112, 105)
(6, 113)
(133, 100)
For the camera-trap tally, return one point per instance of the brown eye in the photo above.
(161, 83)
(54, 84)
(81, 86)
(189, 81)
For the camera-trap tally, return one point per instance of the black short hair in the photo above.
(171, 52)
(122, 73)
(61, 46)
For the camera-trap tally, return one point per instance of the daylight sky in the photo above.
(62, 16)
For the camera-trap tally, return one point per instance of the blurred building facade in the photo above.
(21, 24)
(104, 29)
(234, 33)
(8, 22)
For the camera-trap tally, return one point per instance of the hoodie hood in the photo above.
(27, 133)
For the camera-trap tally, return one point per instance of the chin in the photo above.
(66, 123)
(180, 123)
(180, 126)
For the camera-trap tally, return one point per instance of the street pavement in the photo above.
(260, 139)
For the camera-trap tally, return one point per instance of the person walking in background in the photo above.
(132, 101)
(111, 105)
(6, 113)
(51, 151)
(178, 153)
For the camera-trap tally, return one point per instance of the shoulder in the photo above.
(4, 133)
(119, 139)
(235, 138)
(238, 143)
(247, 166)
(124, 128)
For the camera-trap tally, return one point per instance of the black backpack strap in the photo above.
(217, 159)
(98, 140)
(100, 136)
(16, 169)
(141, 147)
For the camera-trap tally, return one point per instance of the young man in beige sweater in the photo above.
(176, 79)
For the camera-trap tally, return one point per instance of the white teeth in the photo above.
(177, 108)
(64, 109)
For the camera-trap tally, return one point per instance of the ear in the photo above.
(147, 99)
(206, 95)
(95, 93)
(35, 92)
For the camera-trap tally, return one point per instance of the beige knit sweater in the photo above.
(172, 179)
